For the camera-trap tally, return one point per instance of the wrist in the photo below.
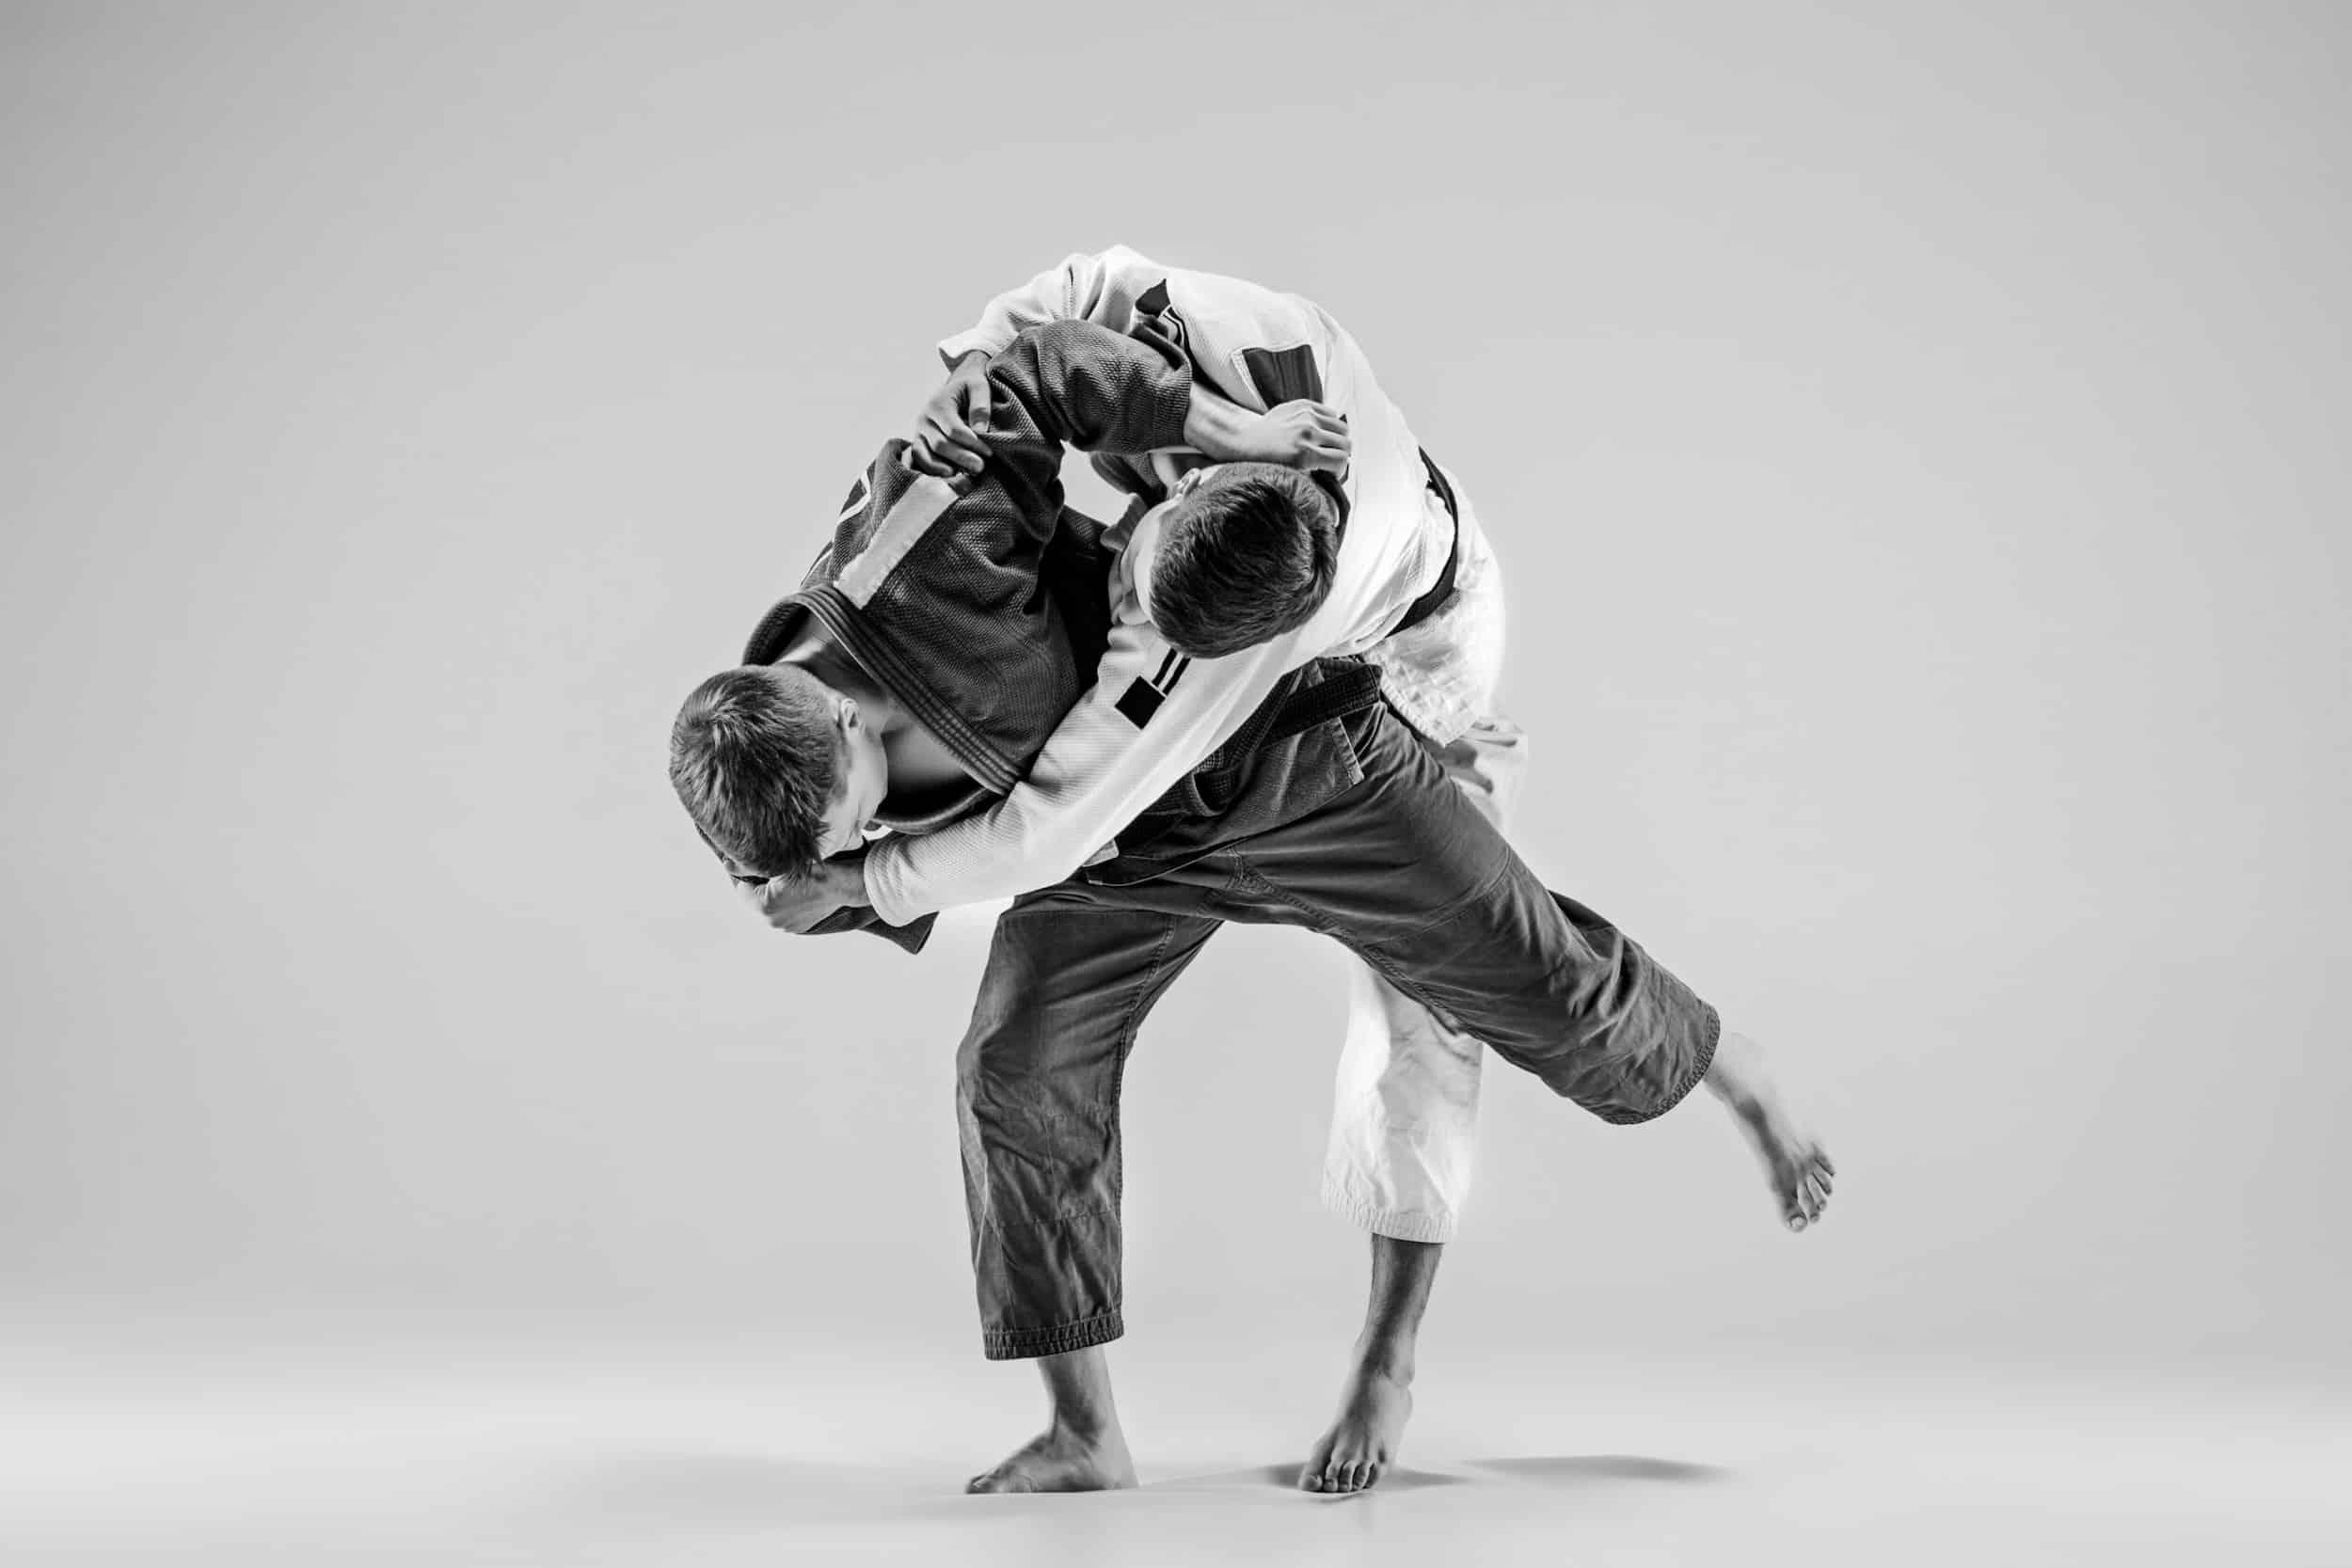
(1215, 426)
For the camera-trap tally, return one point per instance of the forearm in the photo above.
(1086, 386)
(1216, 426)
(1096, 775)
(911, 877)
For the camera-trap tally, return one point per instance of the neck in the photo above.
(846, 676)
(923, 772)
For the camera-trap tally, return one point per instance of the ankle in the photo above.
(1731, 1091)
(1731, 1077)
(1088, 1424)
(1380, 1358)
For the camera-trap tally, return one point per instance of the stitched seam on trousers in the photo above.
(1129, 1023)
(1010, 1344)
(1402, 1225)
(1690, 1078)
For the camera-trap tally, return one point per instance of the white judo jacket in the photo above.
(1153, 714)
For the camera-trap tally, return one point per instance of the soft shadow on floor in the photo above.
(1285, 1476)
(673, 1494)
(1590, 1468)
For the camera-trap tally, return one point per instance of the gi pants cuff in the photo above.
(1398, 1224)
(1710, 1036)
(1025, 1344)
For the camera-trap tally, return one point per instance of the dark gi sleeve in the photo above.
(1073, 384)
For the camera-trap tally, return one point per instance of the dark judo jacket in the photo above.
(982, 605)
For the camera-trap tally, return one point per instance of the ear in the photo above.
(847, 716)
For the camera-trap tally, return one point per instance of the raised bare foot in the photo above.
(1365, 1438)
(1062, 1459)
(1797, 1169)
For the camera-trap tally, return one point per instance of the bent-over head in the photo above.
(1246, 552)
(754, 758)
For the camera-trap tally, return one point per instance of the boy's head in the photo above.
(778, 770)
(1246, 552)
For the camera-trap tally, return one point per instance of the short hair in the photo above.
(1247, 557)
(753, 757)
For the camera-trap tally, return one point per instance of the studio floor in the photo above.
(389, 1447)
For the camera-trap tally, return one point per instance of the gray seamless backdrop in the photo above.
(1914, 434)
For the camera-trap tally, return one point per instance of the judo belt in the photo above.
(1442, 590)
(1347, 686)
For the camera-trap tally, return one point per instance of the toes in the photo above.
(1316, 1475)
(1796, 1221)
(1372, 1477)
(1822, 1155)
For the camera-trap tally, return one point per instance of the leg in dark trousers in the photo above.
(1408, 876)
(1066, 985)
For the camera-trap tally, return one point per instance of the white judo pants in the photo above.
(1405, 1111)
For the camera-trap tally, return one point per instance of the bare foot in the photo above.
(1366, 1435)
(1062, 1459)
(1796, 1167)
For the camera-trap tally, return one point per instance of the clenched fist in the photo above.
(1301, 434)
(947, 440)
(795, 904)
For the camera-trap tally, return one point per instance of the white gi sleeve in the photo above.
(1100, 289)
(1151, 717)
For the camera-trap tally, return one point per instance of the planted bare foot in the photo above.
(1796, 1166)
(1062, 1459)
(1364, 1440)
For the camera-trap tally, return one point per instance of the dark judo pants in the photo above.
(1390, 860)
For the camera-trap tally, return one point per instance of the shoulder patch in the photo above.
(859, 494)
(1142, 698)
(1156, 318)
(1282, 376)
(1138, 703)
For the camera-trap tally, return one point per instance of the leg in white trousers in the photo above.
(1405, 1111)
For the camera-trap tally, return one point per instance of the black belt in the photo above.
(1442, 590)
(1342, 687)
